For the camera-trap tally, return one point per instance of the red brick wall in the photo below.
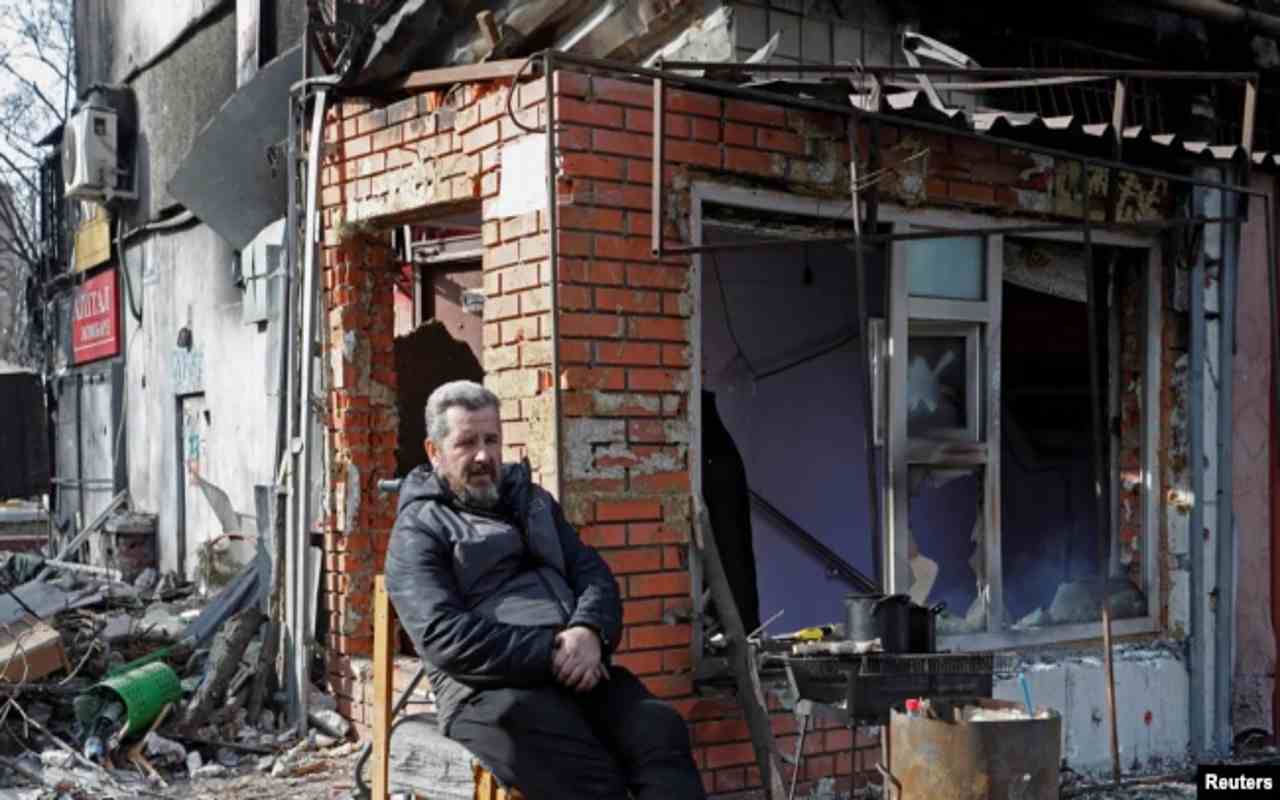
(624, 331)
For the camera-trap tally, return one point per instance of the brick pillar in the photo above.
(363, 428)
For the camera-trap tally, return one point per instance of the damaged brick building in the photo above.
(936, 315)
(603, 353)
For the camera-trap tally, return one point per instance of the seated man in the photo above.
(515, 618)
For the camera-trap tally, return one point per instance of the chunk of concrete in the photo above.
(329, 722)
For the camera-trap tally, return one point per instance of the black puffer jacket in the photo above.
(483, 593)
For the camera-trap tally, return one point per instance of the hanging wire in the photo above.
(728, 322)
(831, 348)
(515, 86)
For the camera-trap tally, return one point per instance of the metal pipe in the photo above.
(1218, 11)
(864, 360)
(553, 256)
(1101, 481)
(302, 632)
(88, 569)
(280, 603)
(879, 238)
(1195, 528)
(80, 442)
(835, 563)
(325, 81)
(76, 483)
(287, 554)
(657, 207)
(1224, 634)
(1020, 72)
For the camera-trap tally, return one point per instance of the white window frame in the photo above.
(988, 313)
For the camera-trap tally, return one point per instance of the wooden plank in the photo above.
(384, 634)
(484, 784)
(445, 76)
(423, 763)
(747, 679)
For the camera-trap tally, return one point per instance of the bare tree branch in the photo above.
(37, 60)
(30, 85)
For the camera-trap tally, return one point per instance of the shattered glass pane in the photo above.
(945, 551)
(1057, 566)
(950, 269)
(937, 384)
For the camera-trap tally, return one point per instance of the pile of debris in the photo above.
(115, 684)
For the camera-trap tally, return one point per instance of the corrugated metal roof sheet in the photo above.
(1063, 129)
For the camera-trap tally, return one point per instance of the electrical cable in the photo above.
(515, 81)
(135, 308)
(728, 323)
(831, 348)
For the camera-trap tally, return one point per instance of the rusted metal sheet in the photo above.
(239, 203)
(946, 760)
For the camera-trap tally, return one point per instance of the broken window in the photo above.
(784, 400)
(993, 439)
(1058, 565)
(942, 382)
(945, 550)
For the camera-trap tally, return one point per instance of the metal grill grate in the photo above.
(937, 664)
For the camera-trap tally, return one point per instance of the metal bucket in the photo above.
(878, 616)
(947, 760)
(145, 691)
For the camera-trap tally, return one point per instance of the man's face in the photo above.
(470, 457)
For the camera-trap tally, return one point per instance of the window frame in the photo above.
(988, 314)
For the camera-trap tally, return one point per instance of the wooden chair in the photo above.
(385, 635)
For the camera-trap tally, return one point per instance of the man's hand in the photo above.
(576, 662)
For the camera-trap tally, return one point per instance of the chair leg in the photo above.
(384, 637)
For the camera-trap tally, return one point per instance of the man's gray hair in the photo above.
(465, 394)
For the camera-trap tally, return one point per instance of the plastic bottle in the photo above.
(913, 708)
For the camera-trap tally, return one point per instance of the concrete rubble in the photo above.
(126, 688)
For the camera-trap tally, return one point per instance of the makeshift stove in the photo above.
(860, 689)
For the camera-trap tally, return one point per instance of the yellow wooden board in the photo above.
(93, 239)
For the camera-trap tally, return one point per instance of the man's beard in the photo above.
(484, 497)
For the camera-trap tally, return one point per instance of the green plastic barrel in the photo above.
(145, 692)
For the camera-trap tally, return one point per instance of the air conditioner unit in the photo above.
(90, 156)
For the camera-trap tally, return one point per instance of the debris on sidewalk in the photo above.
(30, 649)
(126, 683)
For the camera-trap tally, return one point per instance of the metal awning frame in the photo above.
(663, 76)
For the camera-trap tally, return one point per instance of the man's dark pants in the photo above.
(555, 744)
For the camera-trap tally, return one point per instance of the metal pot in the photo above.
(878, 616)
(923, 625)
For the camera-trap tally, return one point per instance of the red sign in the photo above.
(95, 319)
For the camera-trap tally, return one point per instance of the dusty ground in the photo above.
(321, 774)
(324, 775)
